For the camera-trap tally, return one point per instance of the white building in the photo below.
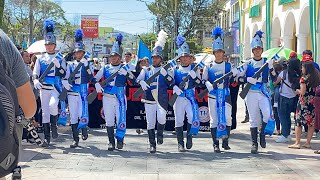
(290, 24)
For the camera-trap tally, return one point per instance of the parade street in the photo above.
(93, 161)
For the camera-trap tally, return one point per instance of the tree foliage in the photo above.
(16, 19)
(191, 15)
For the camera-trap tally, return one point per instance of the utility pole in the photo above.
(31, 19)
(174, 32)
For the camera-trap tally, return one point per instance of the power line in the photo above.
(77, 1)
(124, 12)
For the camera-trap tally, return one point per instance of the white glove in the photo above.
(84, 62)
(144, 85)
(56, 62)
(66, 84)
(252, 80)
(122, 71)
(192, 74)
(98, 87)
(270, 63)
(209, 86)
(234, 71)
(37, 84)
(163, 72)
(177, 90)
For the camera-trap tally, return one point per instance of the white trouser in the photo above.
(212, 105)
(49, 104)
(257, 102)
(181, 106)
(111, 109)
(154, 112)
(75, 108)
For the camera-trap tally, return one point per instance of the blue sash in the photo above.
(195, 110)
(63, 117)
(271, 121)
(121, 125)
(221, 113)
(83, 123)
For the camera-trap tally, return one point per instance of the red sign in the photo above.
(90, 26)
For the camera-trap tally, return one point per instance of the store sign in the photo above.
(90, 26)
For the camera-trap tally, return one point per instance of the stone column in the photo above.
(275, 42)
(287, 40)
(302, 40)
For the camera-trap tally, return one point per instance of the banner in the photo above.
(136, 116)
(90, 26)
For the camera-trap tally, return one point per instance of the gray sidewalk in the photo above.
(93, 161)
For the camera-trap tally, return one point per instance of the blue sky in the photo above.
(130, 16)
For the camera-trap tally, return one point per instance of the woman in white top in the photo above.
(289, 80)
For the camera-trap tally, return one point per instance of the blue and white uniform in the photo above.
(186, 101)
(114, 98)
(155, 98)
(210, 73)
(257, 98)
(77, 95)
(48, 94)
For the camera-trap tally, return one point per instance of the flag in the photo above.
(143, 51)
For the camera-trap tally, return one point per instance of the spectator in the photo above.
(127, 57)
(276, 95)
(142, 63)
(289, 83)
(305, 109)
(293, 55)
(317, 112)
(309, 52)
(15, 69)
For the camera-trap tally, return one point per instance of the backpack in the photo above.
(9, 108)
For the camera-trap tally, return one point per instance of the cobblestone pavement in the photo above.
(93, 161)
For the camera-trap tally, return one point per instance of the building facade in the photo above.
(290, 24)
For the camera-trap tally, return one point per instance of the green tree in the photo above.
(188, 16)
(1, 12)
(17, 23)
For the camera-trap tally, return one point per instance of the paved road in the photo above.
(93, 161)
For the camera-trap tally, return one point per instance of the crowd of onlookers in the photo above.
(296, 90)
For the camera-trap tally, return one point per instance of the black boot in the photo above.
(160, 128)
(215, 141)
(53, 122)
(111, 145)
(119, 144)
(46, 132)
(263, 142)
(189, 137)
(84, 133)
(179, 131)
(254, 136)
(152, 140)
(225, 141)
(75, 134)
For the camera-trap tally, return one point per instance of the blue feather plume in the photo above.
(180, 40)
(216, 32)
(259, 33)
(78, 35)
(48, 25)
(119, 38)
